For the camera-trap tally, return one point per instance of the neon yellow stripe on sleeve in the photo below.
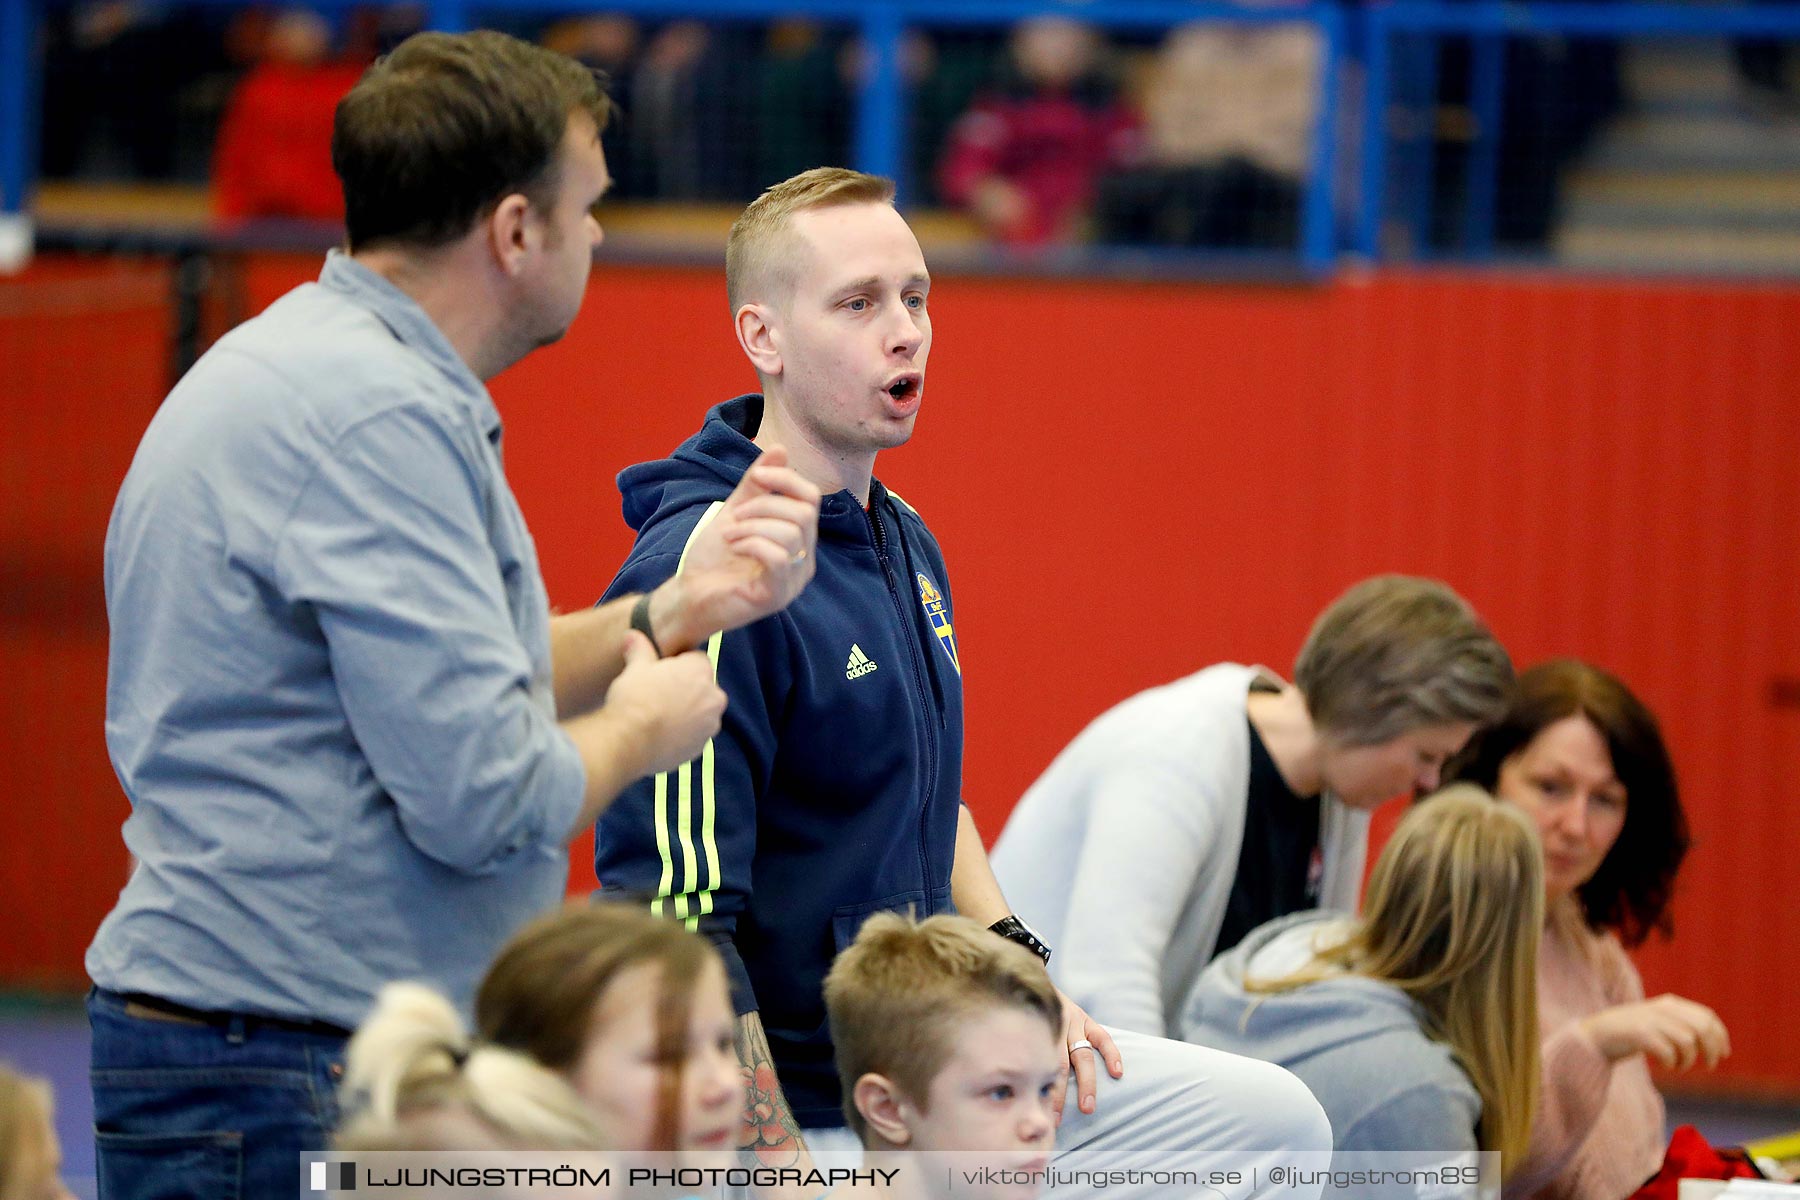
(684, 815)
(708, 795)
(662, 843)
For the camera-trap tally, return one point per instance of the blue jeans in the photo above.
(207, 1112)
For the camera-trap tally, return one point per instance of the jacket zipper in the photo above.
(879, 532)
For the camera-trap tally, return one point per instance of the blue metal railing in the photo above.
(1488, 24)
(878, 143)
(1373, 34)
(18, 103)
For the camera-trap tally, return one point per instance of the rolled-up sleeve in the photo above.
(390, 546)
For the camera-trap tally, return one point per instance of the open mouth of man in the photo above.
(904, 390)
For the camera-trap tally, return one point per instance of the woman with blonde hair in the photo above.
(1407, 1022)
(414, 1080)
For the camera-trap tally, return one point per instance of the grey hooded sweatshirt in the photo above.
(1355, 1042)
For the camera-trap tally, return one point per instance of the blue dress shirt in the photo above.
(329, 686)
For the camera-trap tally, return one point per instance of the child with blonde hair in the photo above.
(948, 1040)
(415, 1080)
(1413, 1023)
(30, 1156)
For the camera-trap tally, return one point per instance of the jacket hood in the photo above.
(853, 689)
(706, 467)
(1292, 1026)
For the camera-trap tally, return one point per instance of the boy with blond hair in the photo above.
(948, 1040)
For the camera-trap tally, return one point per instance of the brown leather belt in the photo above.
(155, 1008)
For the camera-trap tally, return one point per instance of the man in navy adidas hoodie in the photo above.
(833, 789)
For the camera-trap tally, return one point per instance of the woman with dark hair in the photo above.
(1584, 758)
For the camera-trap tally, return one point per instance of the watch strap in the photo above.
(1015, 930)
(640, 621)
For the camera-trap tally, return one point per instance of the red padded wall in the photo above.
(83, 356)
(1134, 480)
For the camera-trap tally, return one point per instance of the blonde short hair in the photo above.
(898, 995)
(758, 250)
(1395, 654)
(413, 1080)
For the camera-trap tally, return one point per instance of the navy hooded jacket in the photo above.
(831, 791)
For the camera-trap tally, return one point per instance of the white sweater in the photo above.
(1122, 854)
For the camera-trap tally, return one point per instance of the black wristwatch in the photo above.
(640, 621)
(1015, 930)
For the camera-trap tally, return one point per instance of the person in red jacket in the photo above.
(1025, 157)
(273, 157)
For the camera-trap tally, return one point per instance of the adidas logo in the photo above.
(859, 665)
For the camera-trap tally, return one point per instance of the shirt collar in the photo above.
(403, 316)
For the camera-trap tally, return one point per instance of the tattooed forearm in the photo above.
(768, 1128)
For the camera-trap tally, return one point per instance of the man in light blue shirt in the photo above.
(355, 740)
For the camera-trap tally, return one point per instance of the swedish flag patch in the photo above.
(939, 616)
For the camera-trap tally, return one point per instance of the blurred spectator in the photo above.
(1558, 92)
(370, 31)
(1229, 112)
(943, 74)
(415, 1080)
(30, 1157)
(273, 157)
(1762, 68)
(803, 106)
(130, 90)
(1024, 159)
(608, 42)
(664, 111)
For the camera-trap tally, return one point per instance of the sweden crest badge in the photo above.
(939, 616)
